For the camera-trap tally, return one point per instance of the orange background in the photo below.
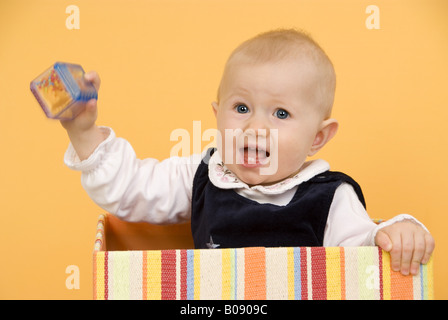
(160, 62)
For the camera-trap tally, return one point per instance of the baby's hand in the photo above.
(409, 245)
(84, 135)
(86, 119)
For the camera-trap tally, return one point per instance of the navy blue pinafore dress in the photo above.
(221, 218)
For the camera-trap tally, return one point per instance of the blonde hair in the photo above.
(282, 44)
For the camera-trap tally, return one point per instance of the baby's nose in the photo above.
(258, 124)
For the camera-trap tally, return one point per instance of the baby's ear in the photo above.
(215, 107)
(328, 130)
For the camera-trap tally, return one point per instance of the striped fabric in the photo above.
(303, 273)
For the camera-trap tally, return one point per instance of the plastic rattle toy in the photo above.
(61, 90)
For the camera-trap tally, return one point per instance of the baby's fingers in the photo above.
(409, 246)
(392, 244)
(429, 248)
(396, 259)
(94, 78)
(419, 252)
(412, 251)
(415, 249)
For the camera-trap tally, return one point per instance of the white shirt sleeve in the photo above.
(349, 225)
(136, 190)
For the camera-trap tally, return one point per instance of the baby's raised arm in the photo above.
(114, 178)
(84, 134)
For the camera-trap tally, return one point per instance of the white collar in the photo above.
(223, 178)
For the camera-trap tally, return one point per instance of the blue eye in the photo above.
(241, 108)
(281, 114)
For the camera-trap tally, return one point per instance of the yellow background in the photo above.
(160, 62)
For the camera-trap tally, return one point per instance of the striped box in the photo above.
(305, 273)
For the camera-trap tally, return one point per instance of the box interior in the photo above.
(121, 236)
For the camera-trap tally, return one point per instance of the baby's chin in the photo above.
(253, 177)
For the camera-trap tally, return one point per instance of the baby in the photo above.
(257, 188)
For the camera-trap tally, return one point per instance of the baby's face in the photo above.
(267, 120)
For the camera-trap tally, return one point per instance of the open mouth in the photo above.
(254, 156)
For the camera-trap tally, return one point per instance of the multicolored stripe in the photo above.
(256, 273)
(305, 273)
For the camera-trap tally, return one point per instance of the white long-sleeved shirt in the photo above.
(160, 192)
